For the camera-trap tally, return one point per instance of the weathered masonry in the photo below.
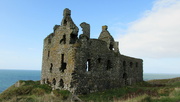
(83, 65)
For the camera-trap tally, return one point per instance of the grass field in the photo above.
(165, 90)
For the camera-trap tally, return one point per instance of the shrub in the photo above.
(23, 99)
(63, 94)
(165, 91)
(47, 88)
(175, 93)
(24, 90)
(38, 92)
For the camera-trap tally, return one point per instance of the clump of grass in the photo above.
(38, 92)
(176, 92)
(165, 91)
(63, 94)
(16, 91)
(45, 87)
(165, 99)
(150, 91)
(108, 95)
(143, 84)
(33, 91)
(24, 99)
(174, 84)
(26, 88)
(161, 91)
(141, 98)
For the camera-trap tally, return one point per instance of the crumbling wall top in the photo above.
(66, 12)
(85, 28)
(68, 22)
(104, 28)
(105, 35)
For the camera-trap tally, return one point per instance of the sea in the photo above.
(9, 77)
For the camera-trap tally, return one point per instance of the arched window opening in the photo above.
(61, 83)
(131, 64)
(99, 60)
(63, 64)
(50, 69)
(47, 81)
(63, 40)
(109, 65)
(88, 65)
(125, 79)
(54, 81)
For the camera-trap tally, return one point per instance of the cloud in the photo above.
(156, 34)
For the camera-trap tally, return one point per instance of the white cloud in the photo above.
(156, 34)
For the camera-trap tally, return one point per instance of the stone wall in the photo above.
(98, 68)
(83, 65)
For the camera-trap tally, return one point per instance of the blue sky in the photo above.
(146, 29)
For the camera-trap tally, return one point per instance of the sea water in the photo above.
(151, 76)
(9, 77)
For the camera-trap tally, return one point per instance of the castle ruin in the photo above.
(83, 65)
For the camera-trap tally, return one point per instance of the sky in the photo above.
(147, 29)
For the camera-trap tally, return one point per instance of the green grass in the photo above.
(63, 94)
(27, 91)
(108, 95)
(166, 90)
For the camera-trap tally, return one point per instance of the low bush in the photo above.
(38, 92)
(63, 94)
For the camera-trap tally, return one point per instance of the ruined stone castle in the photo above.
(83, 65)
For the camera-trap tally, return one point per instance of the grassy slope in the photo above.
(33, 91)
(166, 90)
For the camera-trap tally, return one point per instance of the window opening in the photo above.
(88, 65)
(73, 38)
(131, 64)
(62, 57)
(109, 65)
(63, 40)
(48, 54)
(124, 65)
(125, 79)
(47, 81)
(99, 60)
(61, 83)
(111, 47)
(65, 23)
(54, 81)
(63, 64)
(51, 68)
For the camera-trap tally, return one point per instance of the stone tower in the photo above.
(83, 65)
